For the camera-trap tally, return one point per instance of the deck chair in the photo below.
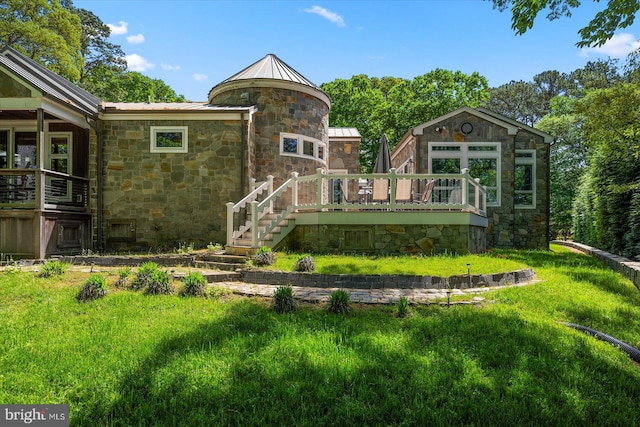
(380, 190)
(428, 189)
(403, 190)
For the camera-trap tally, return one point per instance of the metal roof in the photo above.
(48, 82)
(167, 106)
(344, 133)
(270, 67)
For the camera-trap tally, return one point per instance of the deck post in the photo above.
(477, 193)
(320, 195)
(270, 191)
(393, 182)
(230, 223)
(465, 187)
(294, 191)
(254, 224)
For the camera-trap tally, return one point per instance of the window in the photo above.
(302, 146)
(525, 179)
(482, 160)
(169, 139)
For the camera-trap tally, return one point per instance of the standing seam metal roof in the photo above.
(49, 82)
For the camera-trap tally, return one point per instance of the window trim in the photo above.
(464, 154)
(153, 132)
(531, 160)
(301, 140)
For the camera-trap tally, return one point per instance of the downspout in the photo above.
(513, 207)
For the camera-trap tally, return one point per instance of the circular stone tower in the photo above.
(289, 130)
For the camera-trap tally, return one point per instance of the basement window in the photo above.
(169, 139)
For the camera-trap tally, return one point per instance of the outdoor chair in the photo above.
(403, 190)
(425, 197)
(380, 190)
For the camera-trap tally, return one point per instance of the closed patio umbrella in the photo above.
(383, 161)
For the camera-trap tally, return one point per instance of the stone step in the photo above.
(240, 250)
(225, 266)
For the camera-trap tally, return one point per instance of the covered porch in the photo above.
(390, 212)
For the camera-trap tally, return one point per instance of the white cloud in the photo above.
(170, 67)
(136, 62)
(118, 30)
(618, 46)
(138, 38)
(200, 77)
(327, 14)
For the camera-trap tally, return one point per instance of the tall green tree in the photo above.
(393, 105)
(45, 31)
(569, 158)
(616, 15)
(96, 49)
(612, 128)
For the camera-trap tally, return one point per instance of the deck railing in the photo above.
(265, 209)
(43, 190)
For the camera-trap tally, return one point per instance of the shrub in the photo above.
(52, 267)
(283, 301)
(183, 248)
(123, 277)
(306, 263)
(264, 256)
(402, 307)
(339, 302)
(143, 275)
(159, 283)
(94, 287)
(214, 247)
(195, 285)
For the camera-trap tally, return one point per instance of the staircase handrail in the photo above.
(233, 208)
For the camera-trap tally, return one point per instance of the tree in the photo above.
(517, 100)
(45, 31)
(569, 157)
(95, 48)
(131, 86)
(393, 105)
(612, 128)
(617, 15)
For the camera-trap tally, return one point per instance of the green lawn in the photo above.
(440, 265)
(135, 359)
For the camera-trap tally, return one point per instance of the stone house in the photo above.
(256, 164)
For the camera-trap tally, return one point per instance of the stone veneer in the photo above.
(508, 226)
(169, 198)
(391, 281)
(280, 110)
(386, 239)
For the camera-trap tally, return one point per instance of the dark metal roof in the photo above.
(51, 84)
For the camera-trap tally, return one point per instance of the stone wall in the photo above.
(391, 281)
(280, 110)
(386, 239)
(169, 198)
(628, 268)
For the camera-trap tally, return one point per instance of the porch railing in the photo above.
(391, 192)
(43, 190)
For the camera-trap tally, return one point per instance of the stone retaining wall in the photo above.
(361, 281)
(628, 268)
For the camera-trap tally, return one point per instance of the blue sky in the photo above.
(194, 44)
